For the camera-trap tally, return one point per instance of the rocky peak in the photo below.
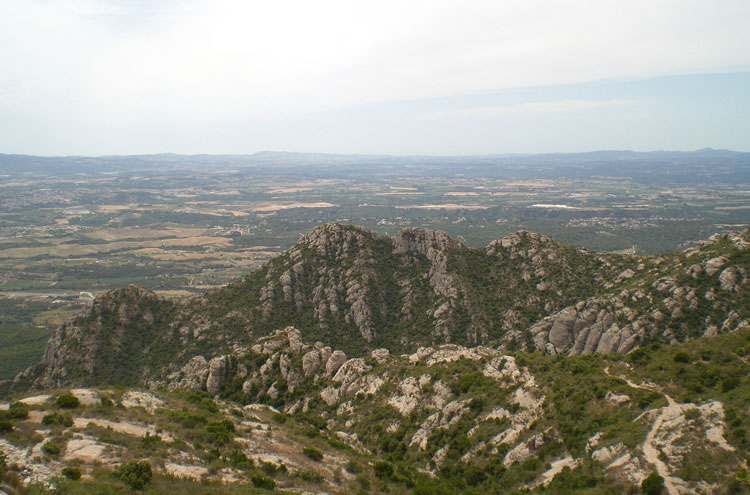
(424, 241)
(334, 239)
(357, 291)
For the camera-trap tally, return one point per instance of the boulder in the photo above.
(194, 375)
(325, 353)
(334, 362)
(217, 374)
(730, 278)
(380, 355)
(311, 363)
(714, 264)
(295, 340)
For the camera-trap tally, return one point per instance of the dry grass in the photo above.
(445, 206)
(286, 206)
(139, 233)
(287, 190)
(68, 250)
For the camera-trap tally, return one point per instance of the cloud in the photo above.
(529, 108)
(134, 64)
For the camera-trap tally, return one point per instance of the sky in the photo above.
(470, 77)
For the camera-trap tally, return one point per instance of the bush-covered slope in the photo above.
(357, 291)
(445, 419)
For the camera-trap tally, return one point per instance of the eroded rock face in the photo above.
(730, 278)
(584, 329)
(335, 361)
(217, 374)
(311, 363)
(194, 375)
(714, 264)
(380, 355)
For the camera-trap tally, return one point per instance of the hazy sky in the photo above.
(424, 77)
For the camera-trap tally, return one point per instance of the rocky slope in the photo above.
(356, 291)
(443, 419)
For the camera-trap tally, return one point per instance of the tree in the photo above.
(136, 474)
(653, 484)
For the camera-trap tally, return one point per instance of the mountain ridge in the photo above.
(357, 291)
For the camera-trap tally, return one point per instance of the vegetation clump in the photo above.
(72, 473)
(262, 481)
(313, 453)
(68, 401)
(62, 419)
(51, 448)
(653, 484)
(135, 474)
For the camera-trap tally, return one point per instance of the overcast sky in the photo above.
(396, 77)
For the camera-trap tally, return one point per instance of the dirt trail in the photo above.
(651, 453)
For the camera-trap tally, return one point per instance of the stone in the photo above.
(380, 355)
(325, 354)
(334, 362)
(714, 264)
(295, 340)
(86, 396)
(194, 375)
(729, 278)
(311, 363)
(146, 400)
(560, 335)
(616, 399)
(217, 374)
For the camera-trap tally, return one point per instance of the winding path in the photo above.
(650, 452)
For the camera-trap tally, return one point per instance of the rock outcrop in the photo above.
(354, 290)
(585, 329)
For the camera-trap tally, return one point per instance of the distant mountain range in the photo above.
(706, 165)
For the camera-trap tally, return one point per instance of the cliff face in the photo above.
(353, 290)
(111, 344)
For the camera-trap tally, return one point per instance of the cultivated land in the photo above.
(181, 225)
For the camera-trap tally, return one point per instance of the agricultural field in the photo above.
(74, 228)
(195, 231)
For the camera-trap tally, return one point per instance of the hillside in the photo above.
(445, 419)
(357, 291)
(410, 364)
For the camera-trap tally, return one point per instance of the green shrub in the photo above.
(353, 467)
(5, 425)
(15, 411)
(311, 476)
(363, 481)
(58, 419)
(383, 469)
(51, 448)
(135, 474)
(261, 481)
(653, 484)
(240, 460)
(220, 432)
(151, 441)
(72, 473)
(313, 453)
(68, 401)
(269, 467)
(682, 357)
(729, 384)
(693, 413)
